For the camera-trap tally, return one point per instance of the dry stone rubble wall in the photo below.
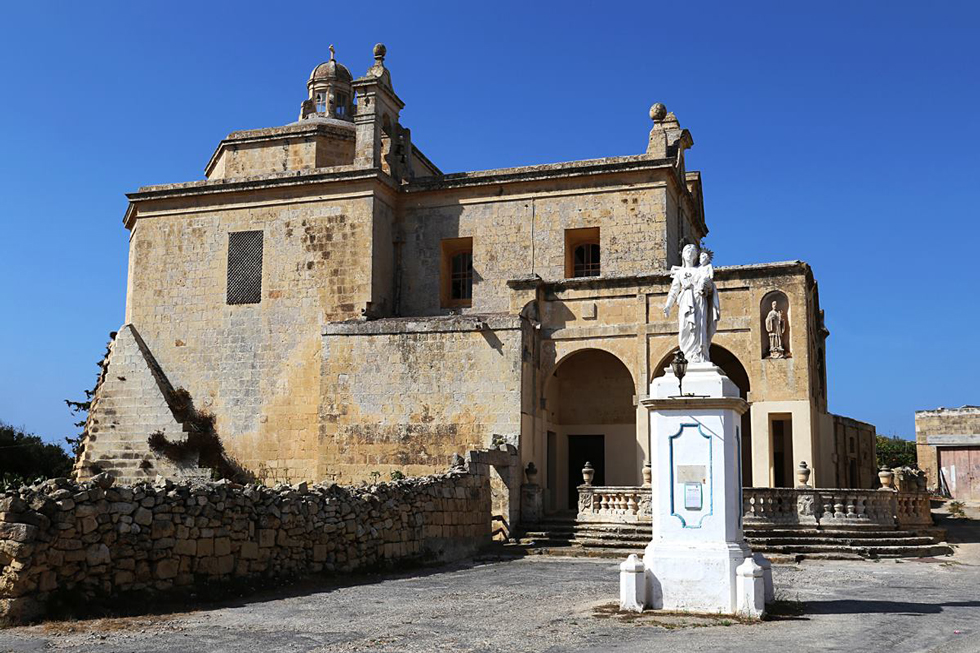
(98, 541)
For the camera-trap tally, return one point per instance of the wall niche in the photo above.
(775, 323)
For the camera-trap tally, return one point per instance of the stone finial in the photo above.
(378, 69)
(803, 475)
(666, 133)
(331, 52)
(657, 112)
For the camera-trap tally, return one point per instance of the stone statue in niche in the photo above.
(776, 327)
(693, 290)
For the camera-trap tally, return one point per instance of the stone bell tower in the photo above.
(330, 93)
(381, 141)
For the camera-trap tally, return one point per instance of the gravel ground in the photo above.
(553, 604)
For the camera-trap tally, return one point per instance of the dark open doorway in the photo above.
(585, 449)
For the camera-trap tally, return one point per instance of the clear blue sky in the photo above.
(846, 136)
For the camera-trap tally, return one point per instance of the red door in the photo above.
(961, 470)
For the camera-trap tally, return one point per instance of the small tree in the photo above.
(25, 458)
(896, 452)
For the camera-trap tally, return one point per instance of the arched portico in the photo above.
(590, 416)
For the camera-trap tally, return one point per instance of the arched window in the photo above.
(320, 99)
(341, 109)
(582, 252)
(586, 260)
(457, 273)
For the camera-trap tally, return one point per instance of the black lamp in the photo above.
(679, 367)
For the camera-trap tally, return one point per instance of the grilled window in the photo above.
(586, 263)
(244, 267)
(321, 101)
(582, 252)
(456, 274)
(461, 277)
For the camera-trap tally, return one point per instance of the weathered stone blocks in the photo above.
(158, 538)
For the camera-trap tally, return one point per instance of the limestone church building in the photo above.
(344, 309)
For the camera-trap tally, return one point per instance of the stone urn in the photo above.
(920, 481)
(803, 475)
(588, 473)
(532, 473)
(887, 478)
(647, 475)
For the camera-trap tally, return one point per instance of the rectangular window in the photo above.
(582, 253)
(457, 272)
(244, 267)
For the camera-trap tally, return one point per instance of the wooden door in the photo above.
(961, 469)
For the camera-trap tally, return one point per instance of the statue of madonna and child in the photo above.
(693, 290)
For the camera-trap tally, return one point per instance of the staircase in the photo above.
(847, 544)
(566, 536)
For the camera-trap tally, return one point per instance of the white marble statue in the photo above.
(698, 310)
(776, 326)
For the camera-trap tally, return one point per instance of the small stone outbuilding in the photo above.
(948, 449)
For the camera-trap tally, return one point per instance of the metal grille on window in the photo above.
(244, 267)
(461, 276)
(586, 263)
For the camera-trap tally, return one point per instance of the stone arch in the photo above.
(723, 358)
(734, 370)
(590, 415)
(782, 304)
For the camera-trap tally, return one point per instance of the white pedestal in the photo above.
(632, 585)
(695, 453)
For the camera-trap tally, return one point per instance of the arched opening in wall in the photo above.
(774, 320)
(734, 370)
(591, 417)
(387, 142)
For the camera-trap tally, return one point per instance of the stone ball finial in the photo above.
(658, 112)
(380, 51)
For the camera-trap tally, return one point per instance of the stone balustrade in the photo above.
(613, 503)
(834, 508)
(776, 507)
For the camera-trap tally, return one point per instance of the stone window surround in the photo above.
(575, 238)
(450, 248)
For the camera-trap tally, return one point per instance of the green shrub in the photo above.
(895, 452)
(25, 458)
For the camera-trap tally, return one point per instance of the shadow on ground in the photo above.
(959, 530)
(243, 592)
(859, 606)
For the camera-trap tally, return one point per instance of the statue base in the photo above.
(697, 560)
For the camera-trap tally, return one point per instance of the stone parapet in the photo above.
(99, 542)
(845, 508)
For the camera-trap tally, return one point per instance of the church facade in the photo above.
(335, 307)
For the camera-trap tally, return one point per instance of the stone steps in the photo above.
(565, 536)
(802, 540)
(833, 551)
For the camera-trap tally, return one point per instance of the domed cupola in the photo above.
(330, 94)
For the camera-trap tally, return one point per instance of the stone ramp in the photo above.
(567, 536)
